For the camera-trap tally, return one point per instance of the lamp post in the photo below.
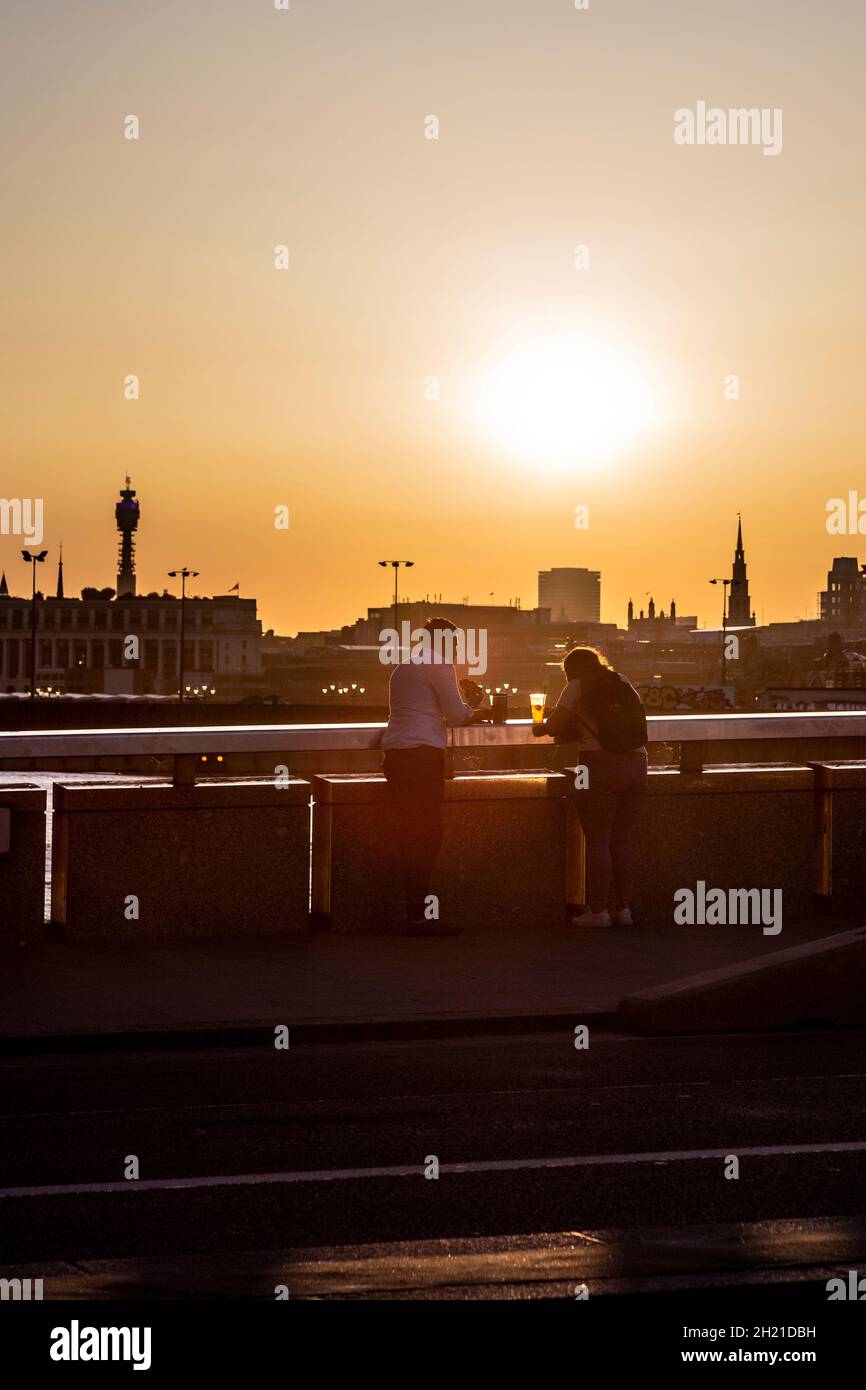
(33, 559)
(396, 564)
(724, 583)
(185, 574)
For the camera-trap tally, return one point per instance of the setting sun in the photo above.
(565, 402)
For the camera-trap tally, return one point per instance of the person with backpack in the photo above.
(599, 719)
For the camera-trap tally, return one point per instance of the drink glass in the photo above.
(536, 704)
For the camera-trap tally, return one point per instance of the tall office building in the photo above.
(572, 595)
(844, 599)
(739, 604)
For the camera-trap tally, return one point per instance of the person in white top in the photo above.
(425, 699)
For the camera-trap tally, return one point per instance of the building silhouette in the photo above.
(572, 595)
(83, 644)
(652, 624)
(739, 603)
(844, 599)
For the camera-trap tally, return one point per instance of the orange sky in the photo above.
(412, 257)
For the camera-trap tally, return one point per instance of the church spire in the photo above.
(740, 604)
(60, 573)
(4, 587)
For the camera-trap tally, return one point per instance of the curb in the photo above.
(261, 1034)
(818, 984)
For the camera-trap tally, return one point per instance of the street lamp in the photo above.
(724, 583)
(395, 565)
(184, 574)
(34, 560)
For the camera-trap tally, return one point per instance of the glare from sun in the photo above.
(565, 403)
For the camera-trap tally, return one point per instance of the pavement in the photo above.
(769, 1256)
(60, 993)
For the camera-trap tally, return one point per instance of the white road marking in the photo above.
(416, 1170)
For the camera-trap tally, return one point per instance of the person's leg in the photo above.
(426, 816)
(416, 782)
(622, 831)
(596, 809)
(397, 772)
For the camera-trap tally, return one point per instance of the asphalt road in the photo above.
(640, 1129)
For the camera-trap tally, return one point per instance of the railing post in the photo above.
(183, 772)
(692, 757)
(823, 833)
(322, 839)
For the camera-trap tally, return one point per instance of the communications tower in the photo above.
(126, 514)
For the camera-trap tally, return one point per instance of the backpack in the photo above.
(620, 721)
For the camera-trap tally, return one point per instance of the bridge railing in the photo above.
(740, 801)
(686, 741)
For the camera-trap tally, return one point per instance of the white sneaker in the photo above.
(591, 919)
(623, 918)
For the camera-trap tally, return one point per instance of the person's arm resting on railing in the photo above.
(560, 722)
(455, 710)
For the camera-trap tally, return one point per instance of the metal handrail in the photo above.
(264, 738)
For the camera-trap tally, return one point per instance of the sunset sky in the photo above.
(454, 258)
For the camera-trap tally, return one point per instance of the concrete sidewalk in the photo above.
(335, 988)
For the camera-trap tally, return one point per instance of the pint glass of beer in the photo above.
(536, 704)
